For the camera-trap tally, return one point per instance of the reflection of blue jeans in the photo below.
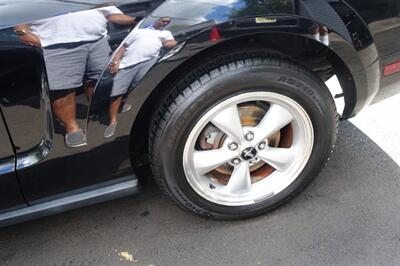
(69, 64)
(130, 76)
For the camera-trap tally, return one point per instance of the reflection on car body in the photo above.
(137, 54)
(76, 50)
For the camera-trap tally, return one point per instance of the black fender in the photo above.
(357, 54)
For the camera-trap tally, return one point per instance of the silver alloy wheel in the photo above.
(246, 149)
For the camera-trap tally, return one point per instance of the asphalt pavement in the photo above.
(350, 215)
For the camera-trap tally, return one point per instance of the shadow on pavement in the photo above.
(349, 215)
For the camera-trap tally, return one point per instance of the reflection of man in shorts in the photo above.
(76, 51)
(133, 60)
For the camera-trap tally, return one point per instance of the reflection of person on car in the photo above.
(131, 62)
(76, 51)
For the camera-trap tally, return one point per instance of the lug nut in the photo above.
(262, 145)
(249, 136)
(253, 161)
(236, 161)
(233, 146)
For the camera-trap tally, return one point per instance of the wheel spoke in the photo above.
(206, 161)
(276, 118)
(240, 180)
(229, 122)
(278, 158)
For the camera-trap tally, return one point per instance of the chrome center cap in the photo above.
(249, 153)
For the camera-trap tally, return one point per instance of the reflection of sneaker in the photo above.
(126, 108)
(325, 39)
(75, 139)
(315, 36)
(110, 130)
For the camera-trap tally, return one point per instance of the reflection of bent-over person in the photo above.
(133, 60)
(76, 51)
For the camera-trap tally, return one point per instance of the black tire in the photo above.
(201, 89)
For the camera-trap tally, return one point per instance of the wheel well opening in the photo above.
(310, 53)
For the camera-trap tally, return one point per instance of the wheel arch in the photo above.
(310, 53)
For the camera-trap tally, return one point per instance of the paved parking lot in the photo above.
(349, 216)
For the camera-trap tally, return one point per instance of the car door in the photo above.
(10, 192)
(46, 166)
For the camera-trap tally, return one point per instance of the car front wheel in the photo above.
(247, 132)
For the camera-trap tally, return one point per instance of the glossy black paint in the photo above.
(11, 14)
(49, 170)
(383, 19)
(45, 166)
(10, 193)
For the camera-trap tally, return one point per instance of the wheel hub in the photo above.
(249, 153)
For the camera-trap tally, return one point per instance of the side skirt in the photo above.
(94, 196)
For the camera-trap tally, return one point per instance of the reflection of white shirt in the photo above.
(88, 25)
(143, 44)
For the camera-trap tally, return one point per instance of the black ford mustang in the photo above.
(225, 100)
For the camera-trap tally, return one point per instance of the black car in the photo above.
(224, 101)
